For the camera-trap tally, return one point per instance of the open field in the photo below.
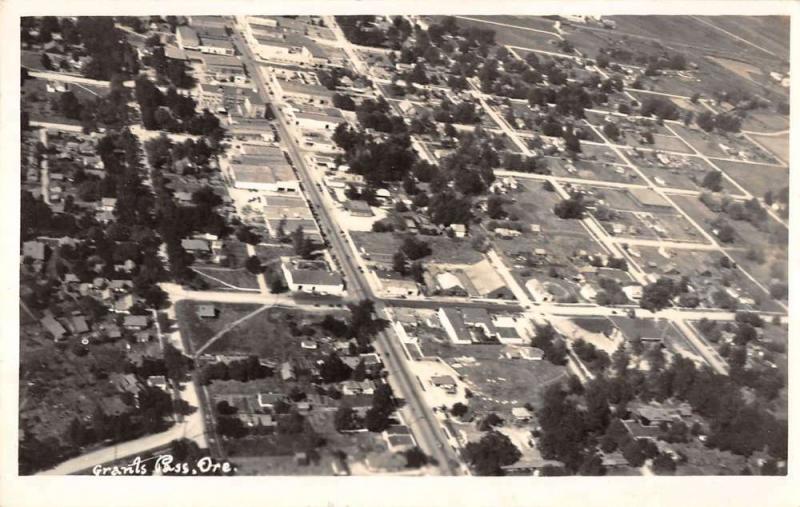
(510, 36)
(381, 246)
(765, 121)
(757, 179)
(496, 382)
(273, 333)
(240, 278)
(594, 324)
(590, 170)
(684, 172)
(534, 205)
(777, 145)
(534, 22)
(711, 144)
(690, 34)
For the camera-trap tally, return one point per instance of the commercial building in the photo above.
(223, 67)
(302, 92)
(264, 177)
(316, 118)
(316, 281)
(187, 38)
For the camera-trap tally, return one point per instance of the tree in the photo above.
(415, 458)
(571, 208)
(494, 207)
(611, 130)
(417, 272)
(253, 265)
(343, 101)
(303, 246)
(705, 121)
(363, 324)
(459, 409)
(70, 106)
(551, 344)
(713, 181)
(333, 369)
(571, 142)
(346, 419)
(399, 262)
(490, 421)
(658, 294)
(175, 362)
(492, 452)
(415, 249)
(46, 62)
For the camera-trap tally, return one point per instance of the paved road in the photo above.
(130, 448)
(69, 78)
(422, 422)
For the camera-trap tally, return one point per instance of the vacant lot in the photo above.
(757, 179)
(645, 328)
(507, 35)
(767, 121)
(686, 172)
(227, 278)
(711, 144)
(497, 383)
(381, 247)
(777, 145)
(273, 333)
(595, 325)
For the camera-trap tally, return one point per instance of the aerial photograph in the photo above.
(404, 245)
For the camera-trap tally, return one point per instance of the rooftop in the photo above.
(262, 173)
(315, 277)
(302, 88)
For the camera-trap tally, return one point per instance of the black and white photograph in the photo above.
(399, 245)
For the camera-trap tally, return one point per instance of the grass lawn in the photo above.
(274, 333)
(670, 143)
(644, 328)
(197, 330)
(594, 325)
(272, 253)
(240, 278)
(500, 384)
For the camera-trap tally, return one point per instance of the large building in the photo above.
(231, 99)
(313, 280)
(315, 118)
(302, 93)
(223, 68)
(187, 38)
(268, 171)
(272, 42)
(476, 325)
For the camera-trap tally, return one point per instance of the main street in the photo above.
(420, 417)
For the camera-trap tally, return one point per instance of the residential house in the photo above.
(135, 322)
